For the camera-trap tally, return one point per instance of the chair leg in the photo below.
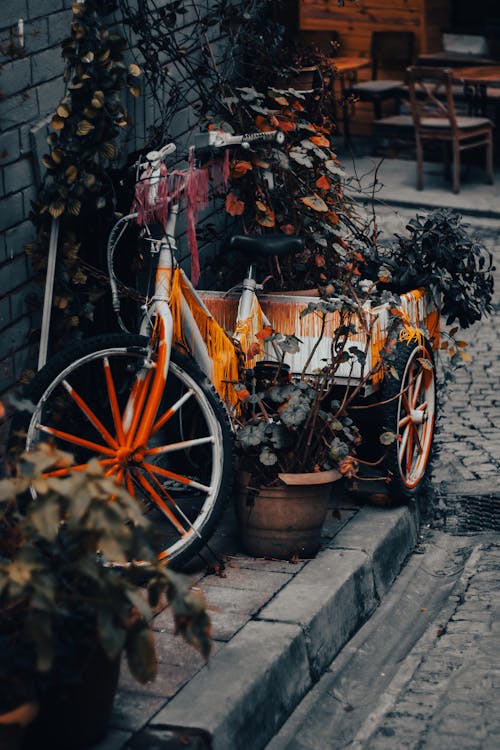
(456, 166)
(489, 160)
(420, 166)
(446, 159)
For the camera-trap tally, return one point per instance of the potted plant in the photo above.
(293, 441)
(72, 598)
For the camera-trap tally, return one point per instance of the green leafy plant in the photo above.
(440, 254)
(77, 571)
(303, 425)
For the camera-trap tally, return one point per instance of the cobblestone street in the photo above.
(452, 698)
(468, 439)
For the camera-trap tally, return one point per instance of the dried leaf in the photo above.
(57, 122)
(426, 364)
(240, 168)
(74, 208)
(320, 140)
(56, 209)
(134, 70)
(63, 110)
(323, 183)
(387, 438)
(71, 174)
(315, 202)
(84, 127)
(108, 151)
(234, 206)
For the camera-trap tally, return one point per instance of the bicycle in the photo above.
(150, 406)
(160, 401)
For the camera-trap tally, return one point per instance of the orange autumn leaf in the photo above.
(265, 215)
(285, 125)
(319, 261)
(323, 182)
(243, 394)
(264, 333)
(315, 202)
(288, 229)
(320, 140)
(253, 350)
(266, 220)
(263, 124)
(298, 106)
(234, 206)
(333, 218)
(240, 168)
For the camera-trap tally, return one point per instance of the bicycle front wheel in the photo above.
(181, 473)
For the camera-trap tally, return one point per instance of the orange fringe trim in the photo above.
(220, 348)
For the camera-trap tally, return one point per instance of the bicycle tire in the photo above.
(410, 412)
(195, 443)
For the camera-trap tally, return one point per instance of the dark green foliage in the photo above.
(69, 577)
(440, 254)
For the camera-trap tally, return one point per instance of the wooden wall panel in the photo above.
(355, 22)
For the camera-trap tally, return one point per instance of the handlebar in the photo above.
(219, 139)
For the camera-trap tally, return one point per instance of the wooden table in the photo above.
(446, 59)
(345, 70)
(476, 80)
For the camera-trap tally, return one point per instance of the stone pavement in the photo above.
(451, 700)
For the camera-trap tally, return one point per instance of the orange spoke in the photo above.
(176, 477)
(417, 437)
(70, 469)
(170, 500)
(171, 411)
(422, 407)
(130, 485)
(112, 470)
(416, 390)
(67, 437)
(159, 502)
(404, 440)
(113, 400)
(409, 451)
(133, 410)
(404, 421)
(183, 445)
(406, 403)
(93, 419)
(154, 399)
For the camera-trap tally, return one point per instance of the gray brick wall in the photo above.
(30, 88)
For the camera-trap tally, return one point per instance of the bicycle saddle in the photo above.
(256, 245)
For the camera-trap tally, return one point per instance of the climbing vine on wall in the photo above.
(83, 144)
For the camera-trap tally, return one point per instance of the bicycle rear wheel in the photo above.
(182, 471)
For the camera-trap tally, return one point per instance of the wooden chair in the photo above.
(390, 51)
(435, 119)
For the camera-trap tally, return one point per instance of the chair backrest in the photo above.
(431, 95)
(391, 50)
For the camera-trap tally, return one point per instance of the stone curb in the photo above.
(253, 684)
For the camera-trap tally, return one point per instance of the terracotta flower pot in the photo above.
(285, 520)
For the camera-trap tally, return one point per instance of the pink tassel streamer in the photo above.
(191, 187)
